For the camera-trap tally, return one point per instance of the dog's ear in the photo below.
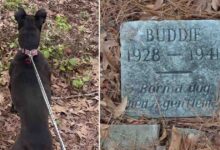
(40, 17)
(20, 16)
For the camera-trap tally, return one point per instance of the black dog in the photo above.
(25, 91)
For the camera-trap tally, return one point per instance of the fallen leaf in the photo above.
(102, 103)
(164, 135)
(108, 58)
(176, 139)
(216, 140)
(189, 141)
(105, 45)
(59, 109)
(2, 99)
(109, 102)
(120, 109)
(11, 141)
(103, 35)
(4, 78)
(215, 4)
(104, 131)
(158, 4)
(209, 8)
(150, 6)
(183, 140)
(201, 5)
(61, 1)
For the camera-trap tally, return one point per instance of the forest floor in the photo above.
(70, 43)
(113, 14)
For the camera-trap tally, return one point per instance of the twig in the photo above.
(77, 95)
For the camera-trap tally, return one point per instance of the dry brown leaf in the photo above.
(106, 44)
(120, 109)
(11, 141)
(164, 135)
(176, 140)
(104, 131)
(102, 103)
(201, 5)
(216, 140)
(182, 140)
(61, 1)
(150, 6)
(103, 35)
(108, 58)
(109, 102)
(1, 25)
(189, 142)
(215, 4)
(158, 4)
(4, 78)
(209, 8)
(59, 109)
(2, 99)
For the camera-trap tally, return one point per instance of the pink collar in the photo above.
(32, 52)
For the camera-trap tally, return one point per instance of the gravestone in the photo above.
(170, 68)
(130, 137)
(161, 148)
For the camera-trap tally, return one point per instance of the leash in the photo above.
(47, 102)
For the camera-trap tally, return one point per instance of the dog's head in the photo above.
(29, 27)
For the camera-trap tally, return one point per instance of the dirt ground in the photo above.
(71, 44)
(113, 14)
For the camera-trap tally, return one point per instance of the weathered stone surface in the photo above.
(170, 68)
(130, 137)
(161, 148)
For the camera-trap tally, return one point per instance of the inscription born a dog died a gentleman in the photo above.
(170, 68)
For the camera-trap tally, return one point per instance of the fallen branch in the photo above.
(92, 94)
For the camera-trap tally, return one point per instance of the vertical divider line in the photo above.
(99, 69)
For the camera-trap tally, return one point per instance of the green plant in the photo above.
(68, 64)
(60, 49)
(61, 23)
(53, 51)
(12, 4)
(14, 44)
(80, 82)
(47, 51)
(86, 78)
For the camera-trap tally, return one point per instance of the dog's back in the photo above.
(25, 91)
(29, 103)
(24, 86)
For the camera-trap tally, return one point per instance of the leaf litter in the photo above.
(76, 109)
(113, 14)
